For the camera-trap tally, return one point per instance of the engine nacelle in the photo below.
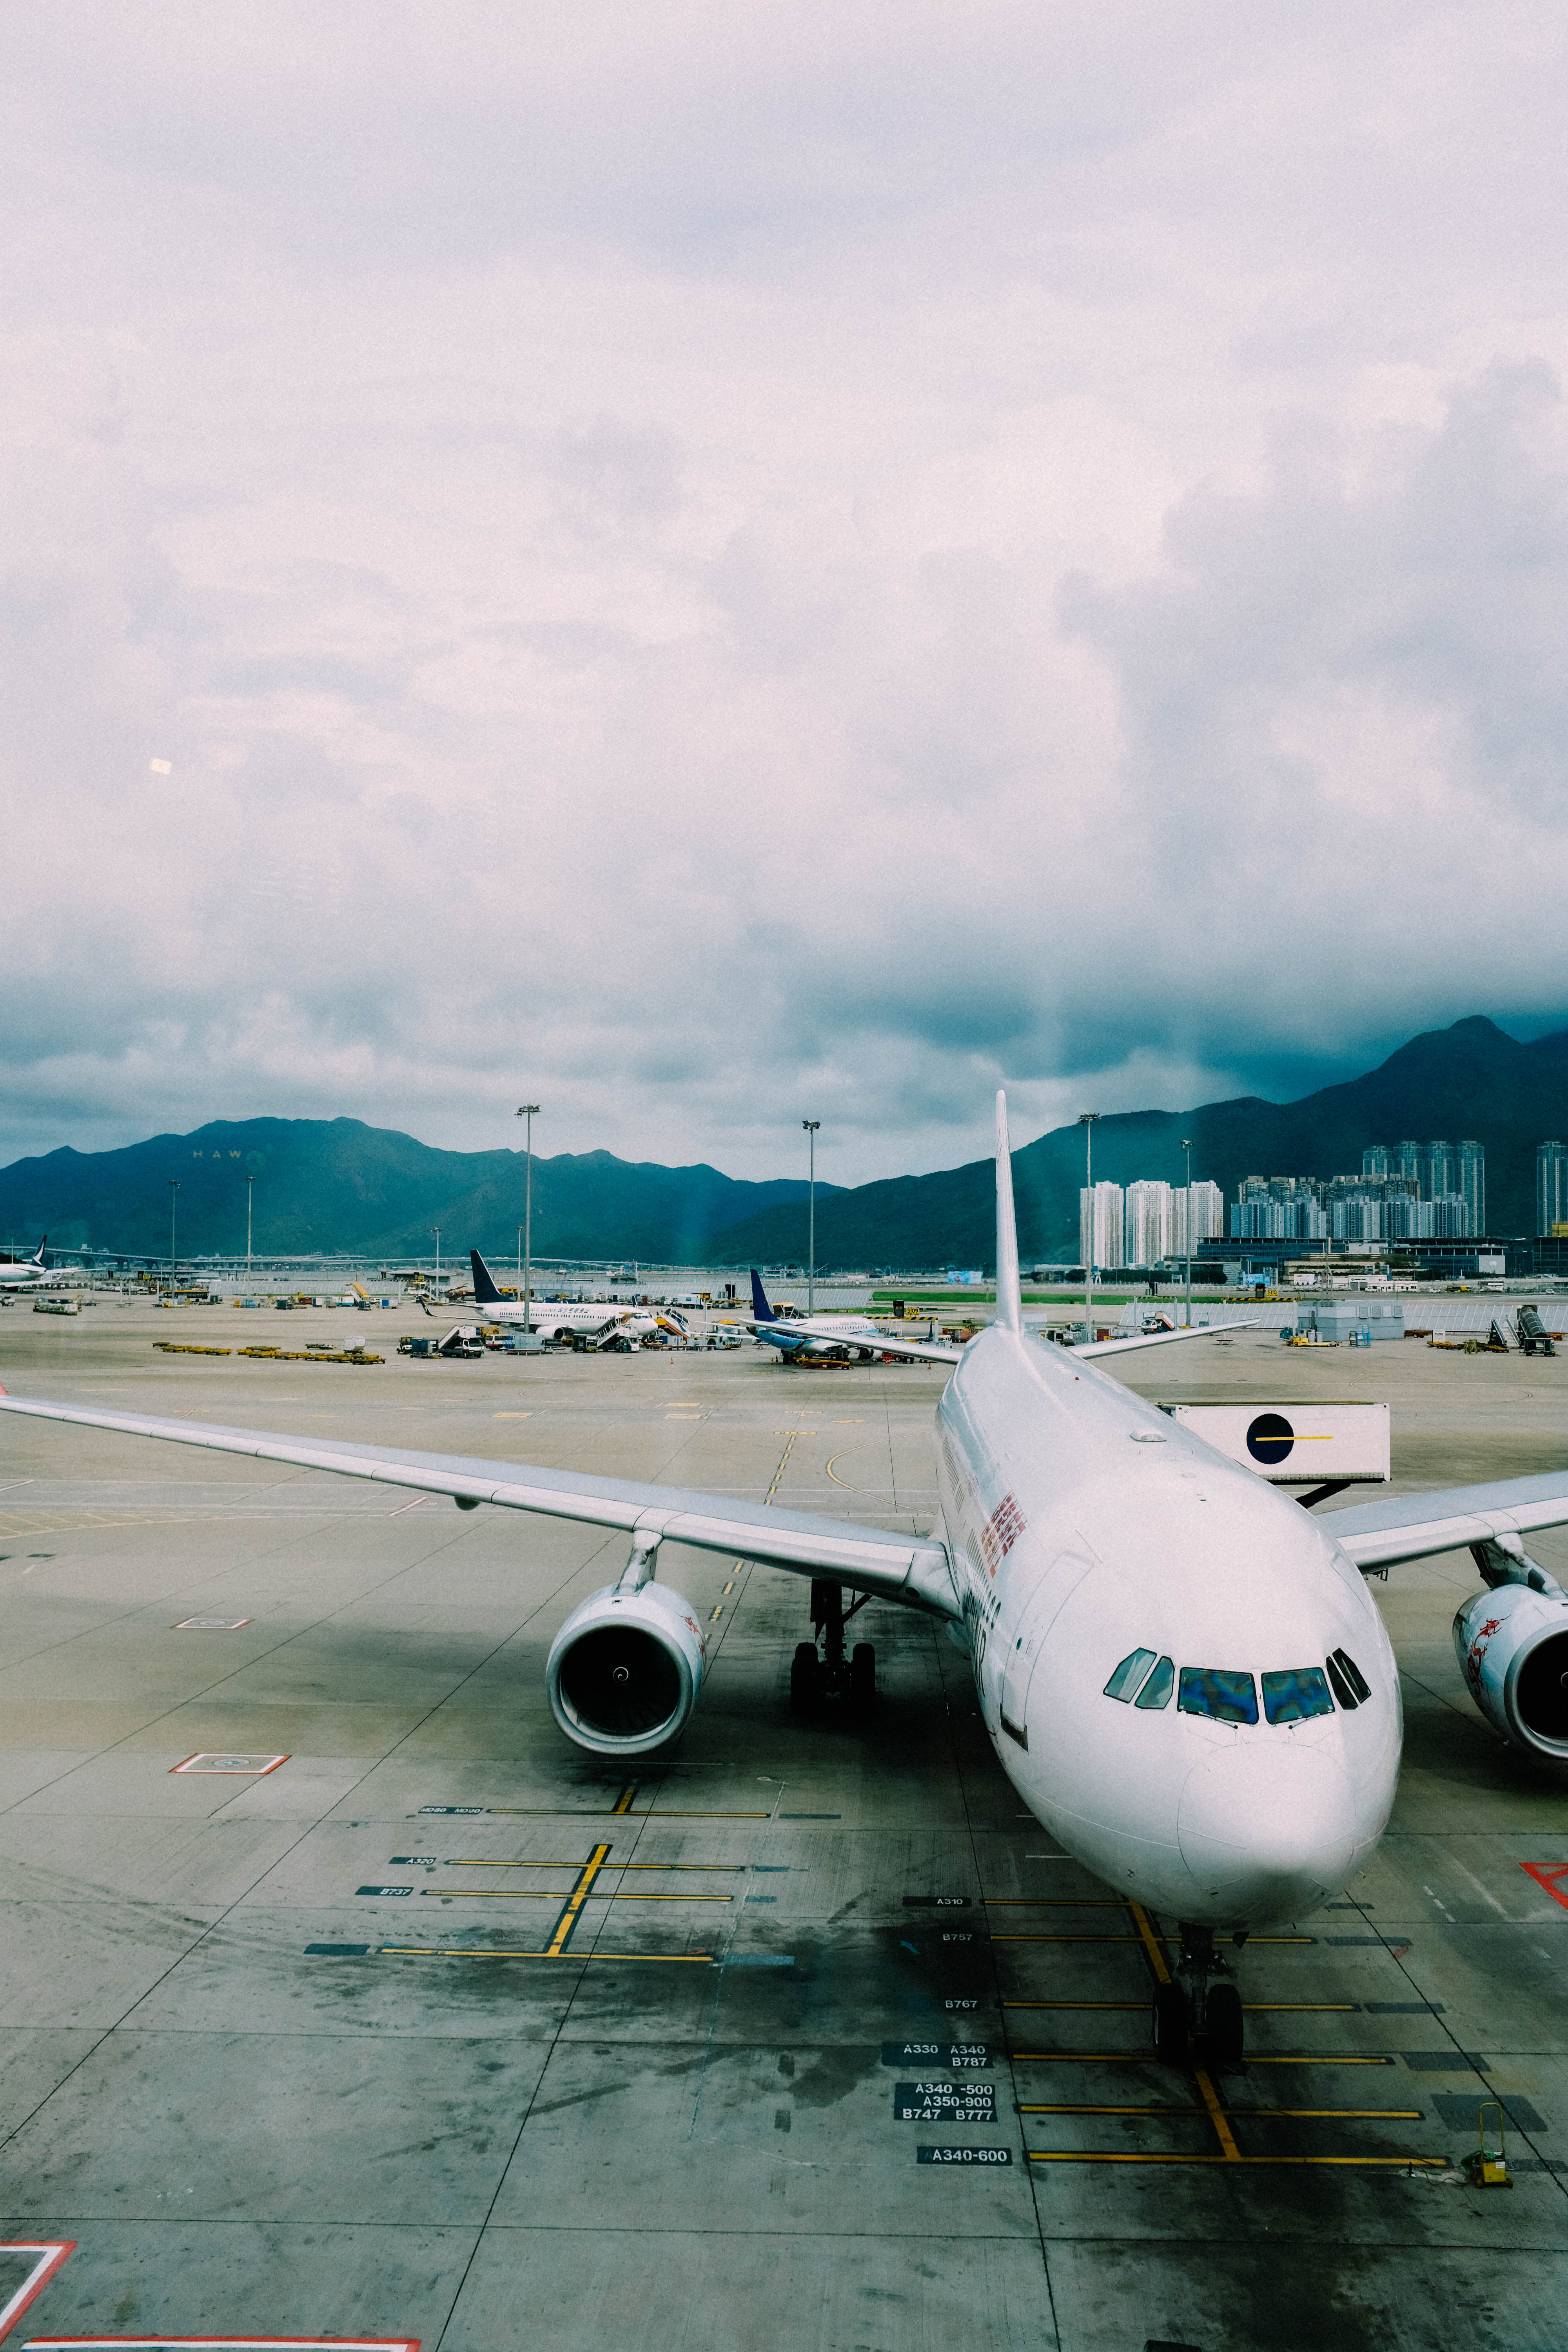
(623, 1671)
(1512, 1646)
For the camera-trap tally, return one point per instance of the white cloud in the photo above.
(714, 566)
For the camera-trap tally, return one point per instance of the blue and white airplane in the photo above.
(1181, 1670)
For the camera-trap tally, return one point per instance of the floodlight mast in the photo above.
(173, 1198)
(527, 1112)
(1187, 1148)
(811, 1126)
(1086, 1119)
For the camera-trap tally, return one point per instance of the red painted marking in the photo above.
(221, 2343)
(51, 2253)
(1552, 1877)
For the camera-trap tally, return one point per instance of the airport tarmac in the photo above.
(344, 1999)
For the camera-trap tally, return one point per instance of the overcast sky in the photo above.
(714, 564)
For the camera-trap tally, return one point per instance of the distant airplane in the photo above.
(845, 1336)
(831, 1336)
(27, 1273)
(1180, 1669)
(562, 1319)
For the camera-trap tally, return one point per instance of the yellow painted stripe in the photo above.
(622, 1803)
(485, 1861)
(553, 1895)
(576, 1900)
(1336, 2115)
(1147, 2058)
(578, 1959)
(717, 1614)
(1253, 2008)
(1216, 2115)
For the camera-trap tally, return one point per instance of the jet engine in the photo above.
(623, 1671)
(1513, 1645)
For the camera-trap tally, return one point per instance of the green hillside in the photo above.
(1469, 1080)
(338, 1185)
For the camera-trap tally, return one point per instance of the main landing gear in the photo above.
(1201, 2002)
(819, 1680)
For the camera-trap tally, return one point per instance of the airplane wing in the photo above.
(911, 1569)
(1161, 1339)
(933, 1352)
(1413, 1527)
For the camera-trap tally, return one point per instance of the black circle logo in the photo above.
(1270, 1438)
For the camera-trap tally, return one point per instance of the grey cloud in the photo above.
(728, 572)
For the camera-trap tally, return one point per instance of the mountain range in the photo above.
(337, 1185)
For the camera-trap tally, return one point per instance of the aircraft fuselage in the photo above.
(1084, 1525)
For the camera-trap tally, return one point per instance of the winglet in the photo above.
(1010, 1299)
(760, 1307)
(485, 1291)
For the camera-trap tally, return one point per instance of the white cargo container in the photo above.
(1297, 1445)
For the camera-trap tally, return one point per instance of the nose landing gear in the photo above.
(825, 1679)
(1202, 2001)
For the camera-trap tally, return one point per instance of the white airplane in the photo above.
(1181, 1670)
(851, 1336)
(27, 1273)
(561, 1319)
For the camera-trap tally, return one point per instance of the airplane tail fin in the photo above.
(43, 1245)
(760, 1307)
(485, 1291)
(1009, 1297)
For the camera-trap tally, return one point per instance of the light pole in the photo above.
(1086, 1119)
(249, 1206)
(173, 1198)
(519, 1261)
(811, 1126)
(1186, 1147)
(437, 1231)
(527, 1112)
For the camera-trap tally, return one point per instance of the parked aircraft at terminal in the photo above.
(1180, 1668)
(27, 1273)
(558, 1319)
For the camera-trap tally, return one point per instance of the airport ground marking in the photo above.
(1551, 1876)
(1253, 2008)
(221, 2343)
(577, 1960)
(576, 1900)
(1147, 2058)
(553, 1895)
(474, 1862)
(1210, 2098)
(1023, 1936)
(50, 2252)
(248, 1768)
(1345, 2163)
(1321, 2114)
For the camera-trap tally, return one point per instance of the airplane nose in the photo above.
(1268, 1827)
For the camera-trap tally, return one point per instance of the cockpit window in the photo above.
(1351, 1685)
(1291, 1696)
(1213, 1690)
(1156, 1691)
(1129, 1675)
